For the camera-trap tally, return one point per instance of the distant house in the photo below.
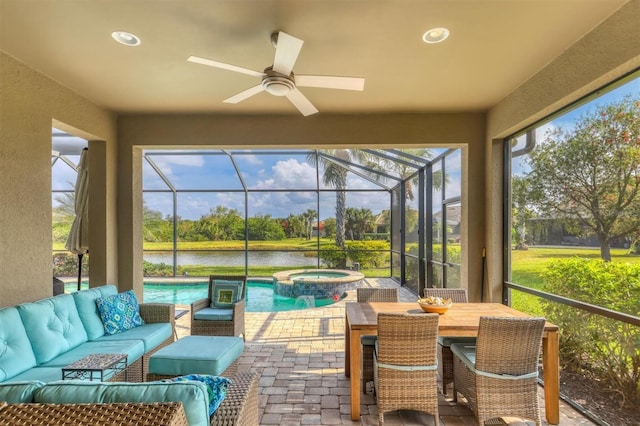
(453, 218)
(552, 232)
(318, 229)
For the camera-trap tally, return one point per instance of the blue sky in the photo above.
(568, 120)
(287, 173)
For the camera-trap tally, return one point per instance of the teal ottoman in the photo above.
(215, 355)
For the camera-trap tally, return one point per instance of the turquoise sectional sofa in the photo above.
(239, 407)
(38, 339)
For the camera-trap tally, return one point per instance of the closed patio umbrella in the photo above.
(78, 240)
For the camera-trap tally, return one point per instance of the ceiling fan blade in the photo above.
(244, 94)
(287, 51)
(301, 102)
(224, 66)
(330, 82)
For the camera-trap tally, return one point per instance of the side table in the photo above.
(96, 367)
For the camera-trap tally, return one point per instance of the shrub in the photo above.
(156, 269)
(333, 258)
(66, 265)
(606, 349)
(369, 254)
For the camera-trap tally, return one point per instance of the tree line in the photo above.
(586, 178)
(225, 224)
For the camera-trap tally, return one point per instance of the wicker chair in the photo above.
(503, 378)
(222, 312)
(405, 364)
(445, 357)
(366, 294)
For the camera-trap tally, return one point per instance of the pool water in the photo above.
(260, 296)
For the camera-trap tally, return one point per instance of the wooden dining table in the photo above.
(462, 319)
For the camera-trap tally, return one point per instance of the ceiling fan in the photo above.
(279, 80)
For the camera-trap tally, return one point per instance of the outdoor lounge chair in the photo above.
(367, 294)
(499, 376)
(222, 312)
(405, 364)
(445, 357)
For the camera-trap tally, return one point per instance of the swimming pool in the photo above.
(260, 296)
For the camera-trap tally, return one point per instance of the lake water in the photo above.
(235, 258)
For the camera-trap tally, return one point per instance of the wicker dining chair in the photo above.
(222, 312)
(500, 374)
(445, 357)
(369, 294)
(405, 364)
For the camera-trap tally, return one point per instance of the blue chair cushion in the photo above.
(133, 348)
(466, 353)
(192, 394)
(151, 334)
(16, 354)
(448, 341)
(19, 392)
(225, 293)
(196, 355)
(43, 374)
(119, 312)
(53, 326)
(368, 340)
(88, 310)
(214, 314)
(216, 387)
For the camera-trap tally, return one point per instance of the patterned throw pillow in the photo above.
(216, 387)
(225, 293)
(119, 312)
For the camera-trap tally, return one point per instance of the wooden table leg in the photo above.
(551, 373)
(347, 345)
(355, 350)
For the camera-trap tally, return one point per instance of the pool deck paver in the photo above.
(300, 358)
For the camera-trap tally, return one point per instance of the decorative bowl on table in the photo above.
(433, 304)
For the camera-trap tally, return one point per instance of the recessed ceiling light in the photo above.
(125, 38)
(435, 35)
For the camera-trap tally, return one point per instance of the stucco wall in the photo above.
(30, 104)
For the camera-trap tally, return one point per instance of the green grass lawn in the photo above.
(527, 265)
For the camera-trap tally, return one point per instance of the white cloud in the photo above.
(289, 174)
(249, 158)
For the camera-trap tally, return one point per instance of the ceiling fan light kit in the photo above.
(279, 80)
(277, 84)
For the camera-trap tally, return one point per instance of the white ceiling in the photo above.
(493, 48)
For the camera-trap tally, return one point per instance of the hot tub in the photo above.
(319, 283)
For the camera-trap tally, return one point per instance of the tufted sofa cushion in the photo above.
(53, 326)
(16, 354)
(19, 392)
(193, 395)
(88, 310)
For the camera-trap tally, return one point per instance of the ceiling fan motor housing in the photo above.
(277, 84)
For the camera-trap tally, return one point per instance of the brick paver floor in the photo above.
(300, 358)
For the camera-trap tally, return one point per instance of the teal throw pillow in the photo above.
(119, 312)
(216, 387)
(225, 293)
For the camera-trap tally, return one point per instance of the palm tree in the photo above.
(335, 175)
(307, 220)
(403, 171)
(359, 221)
